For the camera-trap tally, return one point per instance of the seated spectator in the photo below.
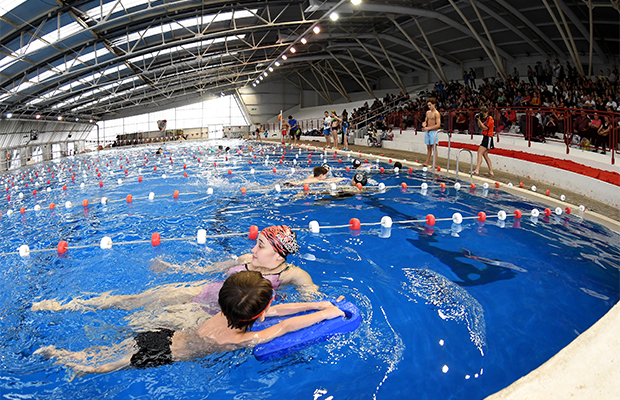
(589, 103)
(550, 125)
(603, 134)
(461, 123)
(581, 125)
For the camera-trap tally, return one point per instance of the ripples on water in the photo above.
(446, 314)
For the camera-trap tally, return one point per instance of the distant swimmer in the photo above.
(319, 175)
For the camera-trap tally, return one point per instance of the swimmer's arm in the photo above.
(335, 180)
(295, 323)
(280, 310)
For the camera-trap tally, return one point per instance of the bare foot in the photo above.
(46, 352)
(339, 299)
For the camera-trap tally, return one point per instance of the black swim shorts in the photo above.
(487, 141)
(153, 349)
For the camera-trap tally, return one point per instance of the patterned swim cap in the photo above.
(360, 178)
(282, 239)
(356, 163)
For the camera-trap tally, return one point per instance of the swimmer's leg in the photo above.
(92, 361)
(168, 294)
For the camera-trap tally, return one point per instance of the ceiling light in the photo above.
(38, 116)
(284, 57)
(333, 16)
(59, 118)
(261, 77)
(257, 81)
(316, 30)
(90, 120)
(265, 73)
(9, 115)
(303, 40)
(277, 63)
(270, 69)
(293, 50)
(76, 119)
(222, 94)
(254, 84)
(356, 2)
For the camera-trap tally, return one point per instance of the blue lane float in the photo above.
(295, 341)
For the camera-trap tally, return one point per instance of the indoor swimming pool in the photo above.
(449, 311)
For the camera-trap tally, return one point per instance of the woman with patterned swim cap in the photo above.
(273, 245)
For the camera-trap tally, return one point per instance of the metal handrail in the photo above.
(471, 163)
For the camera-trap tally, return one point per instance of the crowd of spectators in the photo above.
(534, 106)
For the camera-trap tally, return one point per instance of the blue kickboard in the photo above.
(295, 341)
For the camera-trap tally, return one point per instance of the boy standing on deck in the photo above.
(327, 129)
(430, 126)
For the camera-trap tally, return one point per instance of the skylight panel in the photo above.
(7, 6)
(101, 12)
(63, 32)
(6, 62)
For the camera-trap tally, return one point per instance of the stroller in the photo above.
(376, 140)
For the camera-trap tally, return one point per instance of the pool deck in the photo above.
(589, 367)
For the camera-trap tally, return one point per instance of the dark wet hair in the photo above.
(243, 297)
(398, 165)
(356, 163)
(360, 177)
(318, 171)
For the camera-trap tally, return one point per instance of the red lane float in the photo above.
(129, 198)
(62, 247)
(175, 194)
(518, 214)
(430, 219)
(253, 233)
(155, 239)
(482, 216)
(355, 224)
(547, 212)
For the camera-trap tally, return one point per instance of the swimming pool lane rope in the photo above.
(184, 155)
(354, 224)
(314, 227)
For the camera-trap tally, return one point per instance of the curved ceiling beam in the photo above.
(410, 11)
(534, 28)
(571, 15)
(510, 26)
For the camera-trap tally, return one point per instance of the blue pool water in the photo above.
(448, 312)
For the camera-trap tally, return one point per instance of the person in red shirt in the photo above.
(486, 123)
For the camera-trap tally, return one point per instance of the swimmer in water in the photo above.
(185, 304)
(244, 298)
(319, 175)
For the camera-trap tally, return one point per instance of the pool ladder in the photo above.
(471, 163)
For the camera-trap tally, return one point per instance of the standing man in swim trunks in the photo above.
(327, 129)
(486, 123)
(292, 123)
(430, 126)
